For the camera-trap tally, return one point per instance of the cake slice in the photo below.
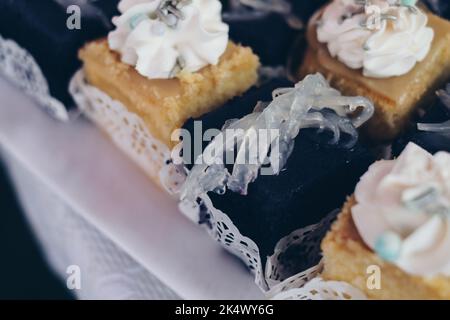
(396, 98)
(408, 248)
(347, 259)
(315, 179)
(168, 61)
(164, 63)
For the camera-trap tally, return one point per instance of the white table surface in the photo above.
(85, 169)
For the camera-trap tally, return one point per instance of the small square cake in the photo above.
(407, 241)
(318, 174)
(389, 64)
(168, 61)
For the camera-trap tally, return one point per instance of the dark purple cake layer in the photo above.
(40, 27)
(317, 179)
(233, 109)
(440, 7)
(431, 141)
(269, 34)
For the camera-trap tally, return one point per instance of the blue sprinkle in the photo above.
(388, 246)
(409, 3)
(136, 19)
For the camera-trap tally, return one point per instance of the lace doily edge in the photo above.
(20, 68)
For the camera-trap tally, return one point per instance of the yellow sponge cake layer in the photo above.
(166, 104)
(348, 259)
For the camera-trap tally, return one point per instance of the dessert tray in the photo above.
(321, 165)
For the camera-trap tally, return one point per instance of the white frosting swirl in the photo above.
(390, 48)
(381, 209)
(157, 50)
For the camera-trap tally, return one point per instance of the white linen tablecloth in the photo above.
(92, 207)
(107, 272)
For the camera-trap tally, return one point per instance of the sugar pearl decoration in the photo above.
(388, 246)
(408, 3)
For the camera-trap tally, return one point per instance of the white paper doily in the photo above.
(19, 67)
(318, 289)
(129, 133)
(305, 244)
(274, 278)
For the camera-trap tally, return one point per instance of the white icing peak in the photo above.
(382, 38)
(403, 211)
(160, 46)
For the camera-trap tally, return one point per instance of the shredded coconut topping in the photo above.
(312, 103)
